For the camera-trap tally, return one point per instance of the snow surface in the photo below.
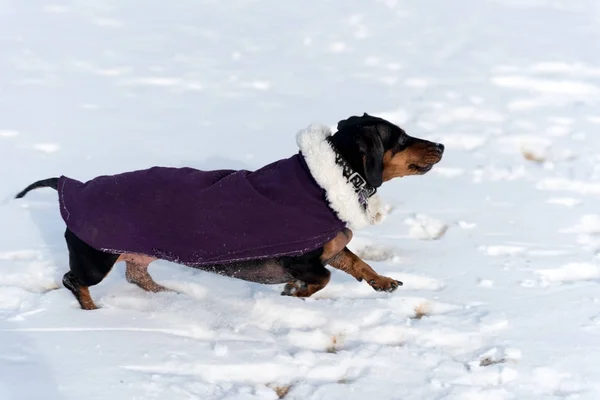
(505, 304)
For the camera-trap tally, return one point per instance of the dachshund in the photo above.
(283, 223)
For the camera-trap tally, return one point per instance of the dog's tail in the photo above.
(50, 182)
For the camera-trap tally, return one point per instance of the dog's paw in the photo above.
(384, 284)
(294, 288)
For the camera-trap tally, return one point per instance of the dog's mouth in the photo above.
(420, 169)
(433, 156)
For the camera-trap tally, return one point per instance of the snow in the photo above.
(504, 304)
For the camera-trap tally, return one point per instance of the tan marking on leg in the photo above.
(337, 244)
(351, 264)
(84, 298)
(138, 275)
(136, 258)
(136, 272)
(302, 289)
(81, 293)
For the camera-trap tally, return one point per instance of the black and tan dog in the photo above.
(299, 218)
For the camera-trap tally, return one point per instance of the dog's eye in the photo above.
(401, 143)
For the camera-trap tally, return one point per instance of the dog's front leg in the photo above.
(350, 263)
(308, 270)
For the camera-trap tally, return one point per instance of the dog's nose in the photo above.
(440, 147)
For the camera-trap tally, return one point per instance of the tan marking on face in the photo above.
(421, 154)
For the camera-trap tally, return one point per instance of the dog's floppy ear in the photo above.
(371, 150)
(346, 123)
(353, 121)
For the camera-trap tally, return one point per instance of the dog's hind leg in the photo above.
(136, 272)
(81, 293)
(88, 268)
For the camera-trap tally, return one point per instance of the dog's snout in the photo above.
(440, 147)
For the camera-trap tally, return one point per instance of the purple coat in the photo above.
(196, 218)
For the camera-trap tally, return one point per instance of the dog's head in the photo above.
(381, 151)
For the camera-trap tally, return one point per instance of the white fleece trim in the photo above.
(340, 194)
